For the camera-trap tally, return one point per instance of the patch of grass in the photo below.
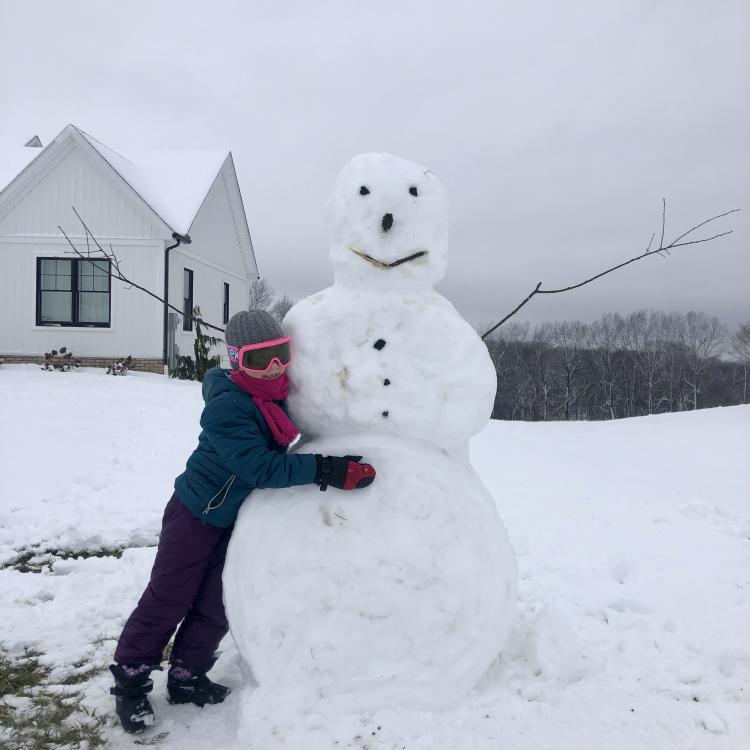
(36, 716)
(18, 676)
(81, 674)
(153, 740)
(102, 638)
(35, 560)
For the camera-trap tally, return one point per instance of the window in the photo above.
(73, 292)
(226, 303)
(187, 301)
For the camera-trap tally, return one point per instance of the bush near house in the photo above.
(120, 367)
(189, 369)
(61, 360)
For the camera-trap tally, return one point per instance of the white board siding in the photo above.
(136, 318)
(82, 180)
(208, 285)
(208, 294)
(220, 252)
(219, 232)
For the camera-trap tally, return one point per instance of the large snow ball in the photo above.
(399, 594)
(404, 364)
(387, 219)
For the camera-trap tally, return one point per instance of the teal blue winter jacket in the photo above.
(236, 454)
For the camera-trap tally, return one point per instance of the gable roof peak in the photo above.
(172, 183)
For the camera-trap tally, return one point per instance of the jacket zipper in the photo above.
(225, 489)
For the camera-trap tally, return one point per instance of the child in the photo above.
(243, 445)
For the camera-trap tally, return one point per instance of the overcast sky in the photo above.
(556, 127)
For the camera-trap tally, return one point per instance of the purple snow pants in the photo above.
(185, 587)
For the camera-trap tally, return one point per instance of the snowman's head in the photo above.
(387, 219)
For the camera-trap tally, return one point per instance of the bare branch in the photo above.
(647, 253)
(663, 220)
(510, 315)
(674, 242)
(116, 273)
(696, 242)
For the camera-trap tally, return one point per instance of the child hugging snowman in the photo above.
(243, 445)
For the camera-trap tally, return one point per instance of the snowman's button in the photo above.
(385, 413)
(386, 382)
(379, 344)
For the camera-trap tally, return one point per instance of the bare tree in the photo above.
(740, 344)
(569, 340)
(704, 339)
(281, 307)
(540, 369)
(644, 340)
(513, 396)
(261, 295)
(651, 360)
(605, 337)
(672, 327)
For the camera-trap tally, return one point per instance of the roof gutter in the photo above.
(179, 239)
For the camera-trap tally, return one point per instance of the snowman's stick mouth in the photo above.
(379, 263)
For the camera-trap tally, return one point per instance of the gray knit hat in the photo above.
(251, 327)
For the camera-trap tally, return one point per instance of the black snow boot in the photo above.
(193, 686)
(132, 685)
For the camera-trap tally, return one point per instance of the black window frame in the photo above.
(187, 302)
(74, 321)
(226, 303)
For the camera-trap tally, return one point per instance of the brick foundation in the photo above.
(140, 364)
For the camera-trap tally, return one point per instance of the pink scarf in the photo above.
(265, 392)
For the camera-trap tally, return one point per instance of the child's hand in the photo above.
(343, 472)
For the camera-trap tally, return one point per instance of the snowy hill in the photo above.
(632, 538)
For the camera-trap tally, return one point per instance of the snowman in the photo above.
(402, 593)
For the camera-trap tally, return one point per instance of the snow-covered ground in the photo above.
(632, 538)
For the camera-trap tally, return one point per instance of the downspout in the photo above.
(179, 238)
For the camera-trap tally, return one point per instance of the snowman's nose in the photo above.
(387, 222)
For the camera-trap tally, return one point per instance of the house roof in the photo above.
(174, 183)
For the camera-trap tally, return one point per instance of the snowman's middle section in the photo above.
(402, 592)
(395, 363)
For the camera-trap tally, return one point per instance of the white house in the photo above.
(174, 220)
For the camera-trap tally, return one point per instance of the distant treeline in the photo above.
(619, 366)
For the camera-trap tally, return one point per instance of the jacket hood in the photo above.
(216, 381)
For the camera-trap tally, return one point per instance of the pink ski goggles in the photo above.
(259, 357)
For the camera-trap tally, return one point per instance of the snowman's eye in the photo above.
(364, 191)
(413, 191)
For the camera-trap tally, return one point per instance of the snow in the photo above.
(173, 182)
(63, 459)
(632, 547)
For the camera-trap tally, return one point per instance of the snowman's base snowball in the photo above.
(399, 594)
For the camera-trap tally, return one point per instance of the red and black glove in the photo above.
(343, 472)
